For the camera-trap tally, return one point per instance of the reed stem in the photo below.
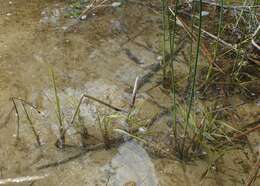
(191, 97)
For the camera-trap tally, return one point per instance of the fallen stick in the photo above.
(84, 150)
(134, 93)
(21, 179)
(104, 103)
(230, 46)
(66, 160)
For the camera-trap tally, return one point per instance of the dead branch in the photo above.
(134, 92)
(21, 179)
(104, 103)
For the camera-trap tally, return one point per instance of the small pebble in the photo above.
(116, 4)
(141, 130)
(204, 13)
(159, 58)
(84, 17)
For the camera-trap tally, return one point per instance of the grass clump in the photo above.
(228, 70)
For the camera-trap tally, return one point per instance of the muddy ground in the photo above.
(94, 56)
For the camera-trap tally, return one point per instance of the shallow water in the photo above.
(90, 58)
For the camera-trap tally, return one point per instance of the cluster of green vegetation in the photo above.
(237, 74)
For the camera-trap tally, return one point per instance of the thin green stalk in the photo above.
(60, 143)
(31, 124)
(164, 37)
(76, 113)
(181, 151)
(193, 78)
(191, 47)
(57, 99)
(77, 110)
(173, 32)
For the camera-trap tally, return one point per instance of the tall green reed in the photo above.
(61, 141)
(193, 81)
(164, 3)
(172, 37)
(170, 33)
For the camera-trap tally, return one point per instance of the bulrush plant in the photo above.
(193, 81)
(190, 134)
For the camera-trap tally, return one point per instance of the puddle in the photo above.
(100, 56)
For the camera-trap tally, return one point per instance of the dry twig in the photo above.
(21, 179)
